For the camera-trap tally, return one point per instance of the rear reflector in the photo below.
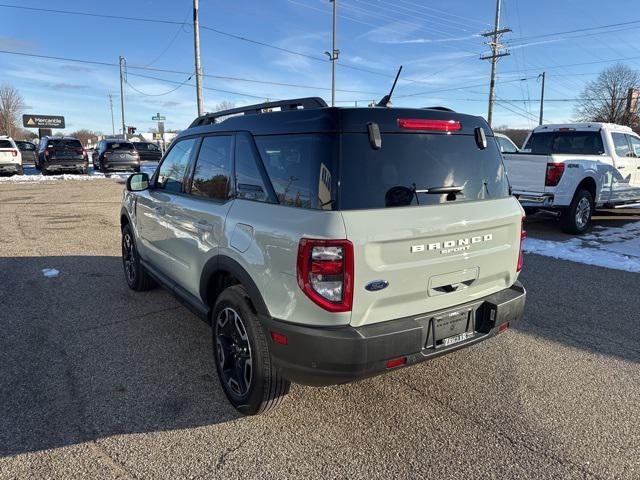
(523, 235)
(503, 327)
(279, 338)
(431, 125)
(396, 362)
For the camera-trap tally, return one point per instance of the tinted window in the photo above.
(26, 146)
(635, 145)
(582, 143)
(58, 142)
(621, 145)
(212, 175)
(302, 168)
(506, 146)
(140, 146)
(5, 144)
(173, 168)
(407, 163)
(120, 146)
(249, 183)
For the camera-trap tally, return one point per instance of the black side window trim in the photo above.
(257, 158)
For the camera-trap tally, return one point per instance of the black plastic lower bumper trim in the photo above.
(332, 355)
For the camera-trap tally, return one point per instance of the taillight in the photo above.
(325, 273)
(554, 174)
(46, 153)
(432, 125)
(523, 235)
(14, 153)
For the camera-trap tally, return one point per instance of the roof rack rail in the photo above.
(442, 109)
(306, 103)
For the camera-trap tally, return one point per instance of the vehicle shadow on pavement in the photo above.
(83, 357)
(580, 306)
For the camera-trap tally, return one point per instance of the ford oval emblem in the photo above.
(376, 285)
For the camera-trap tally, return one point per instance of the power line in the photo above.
(211, 29)
(157, 94)
(579, 30)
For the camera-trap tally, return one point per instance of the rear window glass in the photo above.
(5, 144)
(570, 143)
(145, 146)
(408, 165)
(301, 168)
(120, 146)
(58, 142)
(26, 146)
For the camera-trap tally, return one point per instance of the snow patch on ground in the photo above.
(50, 272)
(31, 175)
(617, 248)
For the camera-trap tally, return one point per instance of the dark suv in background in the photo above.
(148, 151)
(116, 155)
(61, 154)
(28, 151)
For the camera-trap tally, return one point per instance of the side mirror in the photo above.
(137, 182)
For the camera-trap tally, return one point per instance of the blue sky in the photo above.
(437, 41)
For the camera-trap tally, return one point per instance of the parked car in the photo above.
(573, 168)
(116, 155)
(148, 151)
(10, 156)
(505, 144)
(61, 154)
(28, 151)
(325, 244)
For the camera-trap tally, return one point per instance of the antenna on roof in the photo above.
(387, 98)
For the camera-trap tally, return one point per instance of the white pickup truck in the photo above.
(573, 168)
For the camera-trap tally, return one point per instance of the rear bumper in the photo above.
(65, 164)
(9, 167)
(121, 166)
(541, 200)
(327, 356)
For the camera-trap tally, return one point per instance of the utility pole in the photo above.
(113, 123)
(496, 52)
(543, 75)
(333, 56)
(122, 63)
(196, 43)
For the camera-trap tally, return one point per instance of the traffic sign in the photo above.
(158, 117)
(42, 121)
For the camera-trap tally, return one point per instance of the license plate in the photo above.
(456, 339)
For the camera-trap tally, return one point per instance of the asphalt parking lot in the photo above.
(97, 381)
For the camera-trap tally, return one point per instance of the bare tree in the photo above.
(11, 106)
(224, 105)
(605, 99)
(85, 135)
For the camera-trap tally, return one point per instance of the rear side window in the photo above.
(5, 144)
(621, 145)
(408, 165)
(249, 183)
(26, 146)
(568, 143)
(212, 175)
(172, 171)
(635, 145)
(301, 168)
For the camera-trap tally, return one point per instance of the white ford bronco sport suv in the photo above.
(326, 245)
(10, 156)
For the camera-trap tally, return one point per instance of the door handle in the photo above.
(204, 226)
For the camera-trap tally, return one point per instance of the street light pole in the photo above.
(333, 57)
(196, 42)
(124, 131)
(543, 75)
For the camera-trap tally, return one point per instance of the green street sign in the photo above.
(158, 117)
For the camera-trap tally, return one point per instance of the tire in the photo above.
(44, 171)
(577, 218)
(135, 275)
(238, 341)
(20, 171)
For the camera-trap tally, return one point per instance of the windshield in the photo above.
(409, 165)
(59, 142)
(120, 146)
(568, 142)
